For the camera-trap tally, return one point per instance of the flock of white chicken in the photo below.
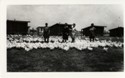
(30, 42)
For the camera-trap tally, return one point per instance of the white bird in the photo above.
(106, 49)
(90, 48)
(14, 41)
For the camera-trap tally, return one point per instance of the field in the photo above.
(73, 59)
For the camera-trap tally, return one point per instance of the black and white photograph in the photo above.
(65, 38)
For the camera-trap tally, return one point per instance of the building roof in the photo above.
(40, 26)
(94, 26)
(60, 24)
(18, 21)
(116, 28)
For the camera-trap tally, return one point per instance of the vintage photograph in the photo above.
(65, 38)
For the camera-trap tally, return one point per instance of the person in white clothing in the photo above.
(73, 32)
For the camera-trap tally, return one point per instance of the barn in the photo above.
(57, 29)
(117, 32)
(17, 27)
(99, 30)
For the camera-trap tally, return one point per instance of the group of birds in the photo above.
(30, 42)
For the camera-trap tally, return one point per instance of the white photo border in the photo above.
(3, 53)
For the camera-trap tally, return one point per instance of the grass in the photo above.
(58, 60)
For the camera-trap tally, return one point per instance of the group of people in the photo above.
(67, 31)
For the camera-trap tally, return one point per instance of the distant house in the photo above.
(17, 27)
(106, 33)
(57, 29)
(40, 30)
(117, 32)
(99, 30)
(32, 31)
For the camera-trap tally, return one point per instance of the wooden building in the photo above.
(99, 30)
(117, 32)
(57, 29)
(32, 31)
(17, 27)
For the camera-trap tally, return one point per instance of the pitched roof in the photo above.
(18, 21)
(94, 26)
(40, 26)
(60, 24)
(116, 28)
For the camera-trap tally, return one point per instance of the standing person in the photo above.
(92, 33)
(72, 32)
(46, 33)
(65, 33)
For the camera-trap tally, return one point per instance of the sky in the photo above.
(109, 15)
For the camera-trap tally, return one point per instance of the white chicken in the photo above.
(29, 42)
